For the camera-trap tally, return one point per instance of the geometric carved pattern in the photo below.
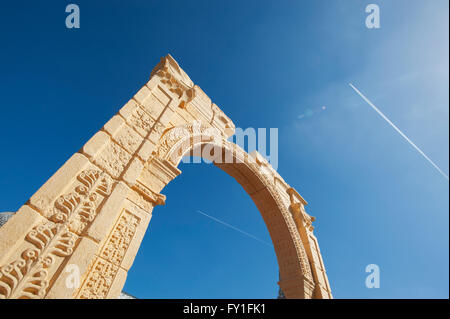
(120, 239)
(99, 280)
(102, 274)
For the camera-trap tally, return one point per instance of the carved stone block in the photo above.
(61, 181)
(128, 138)
(113, 159)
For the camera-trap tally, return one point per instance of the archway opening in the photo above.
(292, 261)
(186, 254)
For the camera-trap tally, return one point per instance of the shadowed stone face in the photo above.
(124, 295)
(4, 216)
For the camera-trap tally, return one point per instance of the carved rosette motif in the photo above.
(105, 268)
(28, 276)
(141, 121)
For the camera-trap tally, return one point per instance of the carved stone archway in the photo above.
(87, 221)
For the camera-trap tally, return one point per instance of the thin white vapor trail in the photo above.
(235, 228)
(400, 132)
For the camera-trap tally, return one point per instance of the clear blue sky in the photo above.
(266, 64)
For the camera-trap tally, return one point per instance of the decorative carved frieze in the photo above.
(78, 209)
(28, 276)
(175, 142)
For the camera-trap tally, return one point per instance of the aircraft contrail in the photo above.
(400, 132)
(235, 228)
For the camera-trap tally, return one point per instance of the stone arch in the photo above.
(265, 187)
(92, 214)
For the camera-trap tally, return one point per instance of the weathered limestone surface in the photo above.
(92, 214)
